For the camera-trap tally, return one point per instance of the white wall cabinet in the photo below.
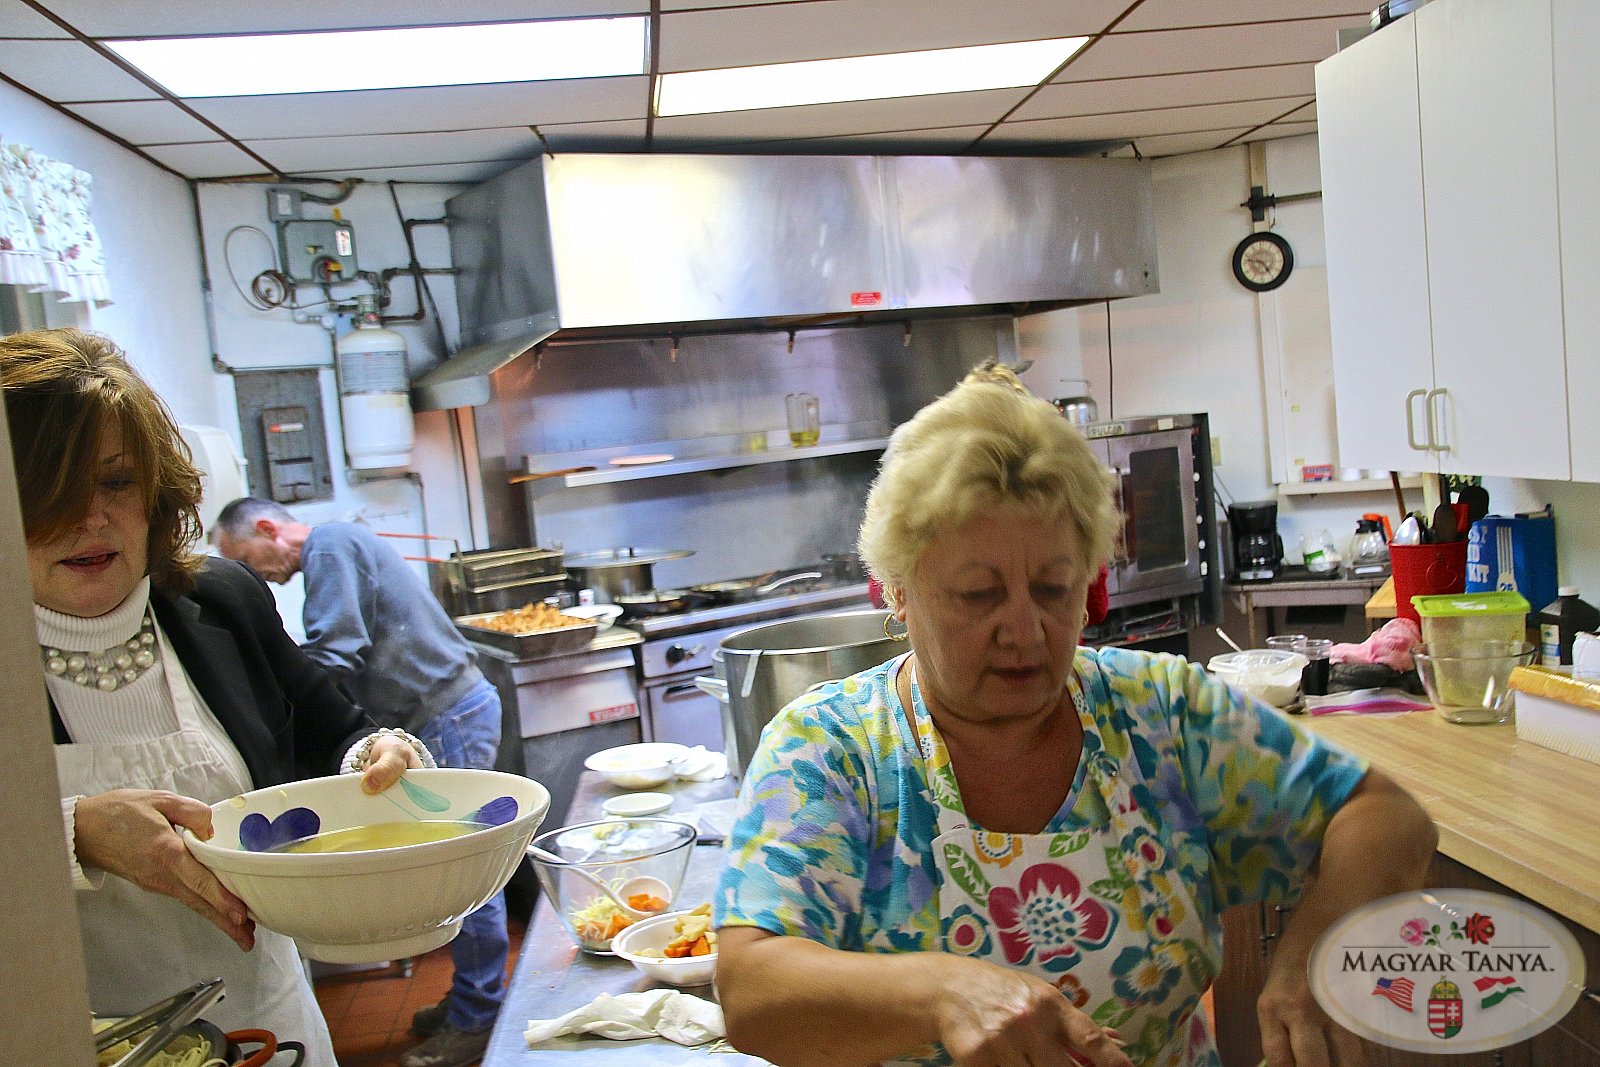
(1576, 41)
(1445, 241)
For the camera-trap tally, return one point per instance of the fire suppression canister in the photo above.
(374, 393)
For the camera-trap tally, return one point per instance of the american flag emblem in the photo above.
(1398, 990)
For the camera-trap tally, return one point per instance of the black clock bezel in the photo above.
(1277, 279)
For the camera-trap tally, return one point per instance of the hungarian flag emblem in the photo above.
(1444, 1009)
(1506, 987)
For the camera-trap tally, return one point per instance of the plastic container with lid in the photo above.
(1560, 622)
(1451, 619)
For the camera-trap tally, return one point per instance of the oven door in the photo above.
(677, 710)
(1158, 552)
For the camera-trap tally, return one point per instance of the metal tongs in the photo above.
(166, 1017)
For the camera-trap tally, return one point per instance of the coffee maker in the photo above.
(1253, 536)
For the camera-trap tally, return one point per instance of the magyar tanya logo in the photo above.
(1447, 971)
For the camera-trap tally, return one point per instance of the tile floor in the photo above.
(369, 1011)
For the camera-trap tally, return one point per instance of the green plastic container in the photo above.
(1448, 619)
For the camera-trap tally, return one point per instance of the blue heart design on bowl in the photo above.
(257, 833)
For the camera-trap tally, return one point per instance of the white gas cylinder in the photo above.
(374, 393)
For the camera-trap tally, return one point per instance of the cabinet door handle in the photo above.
(1411, 423)
(1434, 442)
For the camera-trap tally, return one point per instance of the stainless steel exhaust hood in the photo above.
(631, 245)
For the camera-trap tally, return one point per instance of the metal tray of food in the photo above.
(528, 644)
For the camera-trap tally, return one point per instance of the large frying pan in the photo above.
(741, 590)
(657, 602)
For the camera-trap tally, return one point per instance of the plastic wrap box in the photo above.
(1558, 711)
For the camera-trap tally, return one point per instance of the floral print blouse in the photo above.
(833, 835)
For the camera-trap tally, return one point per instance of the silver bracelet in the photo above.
(356, 759)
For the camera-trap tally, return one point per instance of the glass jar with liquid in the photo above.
(805, 420)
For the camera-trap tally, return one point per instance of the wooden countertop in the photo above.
(1514, 811)
(1382, 605)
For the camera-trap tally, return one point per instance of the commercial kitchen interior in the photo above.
(1217, 97)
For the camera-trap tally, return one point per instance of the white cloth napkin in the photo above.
(701, 765)
(680, 1017)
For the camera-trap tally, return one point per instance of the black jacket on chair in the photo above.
(282, 711)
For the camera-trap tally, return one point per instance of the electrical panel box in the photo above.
(318, 250)
(284, 434)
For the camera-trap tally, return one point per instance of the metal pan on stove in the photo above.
(739, 591)
(657, 602)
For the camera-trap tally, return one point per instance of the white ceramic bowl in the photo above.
(654, 934)
(1269, 675)
(602, 615)
(383, 904)
(637, 766)
(627, 805)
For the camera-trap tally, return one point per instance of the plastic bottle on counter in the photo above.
(1560, 622)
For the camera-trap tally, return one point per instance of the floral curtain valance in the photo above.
(47, 241)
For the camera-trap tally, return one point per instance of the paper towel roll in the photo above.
(222, 469)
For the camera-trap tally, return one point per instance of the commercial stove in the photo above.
(679, 646)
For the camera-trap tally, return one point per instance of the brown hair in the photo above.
(61, 389)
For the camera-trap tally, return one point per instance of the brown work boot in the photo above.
(448, 1048)
(426, 1022)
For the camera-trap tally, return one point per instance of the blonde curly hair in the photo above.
(987, 443)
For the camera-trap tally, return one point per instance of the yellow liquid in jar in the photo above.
(803, 438)
(379, 835)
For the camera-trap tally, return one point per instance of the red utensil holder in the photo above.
(1421, 570)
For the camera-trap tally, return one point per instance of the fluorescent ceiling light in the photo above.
(389, 59)
(829, 81)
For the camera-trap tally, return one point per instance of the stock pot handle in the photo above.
(713, 686)
(750, 674)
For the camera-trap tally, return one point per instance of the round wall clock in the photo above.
(1262, 261)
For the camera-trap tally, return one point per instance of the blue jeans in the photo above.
(467, 734)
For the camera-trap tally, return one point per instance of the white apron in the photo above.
(1098, 912)
(139, 946)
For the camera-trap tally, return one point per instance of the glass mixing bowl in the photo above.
(1470, 684)
(612, 851)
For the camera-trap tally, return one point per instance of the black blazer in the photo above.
(283, 712)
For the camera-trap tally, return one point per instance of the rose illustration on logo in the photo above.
(1412, 931)
(1480, 929)
(1050, 915)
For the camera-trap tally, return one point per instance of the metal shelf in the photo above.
(694, 457)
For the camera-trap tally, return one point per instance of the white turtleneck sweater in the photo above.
(141, 710)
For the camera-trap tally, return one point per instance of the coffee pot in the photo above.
(1369, 551)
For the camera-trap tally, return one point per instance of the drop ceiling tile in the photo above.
(1178, 144)
(435, 108)
(145, 121)
(896, 142)
(626, 135)
(729, 37)
(98, 18)
(208, 159)
(1122, 55)
(69, 72)
(1173, 14)
(1167, 90)
(696, 5)
(19, 20)
(390, 150)
(851, 118)
(1139, 124)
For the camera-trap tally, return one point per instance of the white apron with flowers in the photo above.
(1098, 912)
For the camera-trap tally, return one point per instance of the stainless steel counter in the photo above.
(552, 976)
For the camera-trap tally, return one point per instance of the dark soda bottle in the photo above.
(1560, 622)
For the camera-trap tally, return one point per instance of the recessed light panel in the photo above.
(828, 81)
(341, 60)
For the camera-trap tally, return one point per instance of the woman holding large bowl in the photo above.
(172, 686)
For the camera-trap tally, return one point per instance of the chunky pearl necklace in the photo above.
(109, 669)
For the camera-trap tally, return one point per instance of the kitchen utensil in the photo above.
(1399, 497)
(1470, 685)
(641, 461)
(1231, 642)
(1383, 521)
(1476, 498)
(639, 766)
(658, 602)
(162, 1020)
(1269, 675)
(1409, 532)
(628, 804)
(641, 945)
(1079, 410)
(383, 903)
(1443, 527)
(615, 852)
(844, 566)
(737, 592)
(534, 476)
(551, 641)
(638, 884)
(615, 572)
